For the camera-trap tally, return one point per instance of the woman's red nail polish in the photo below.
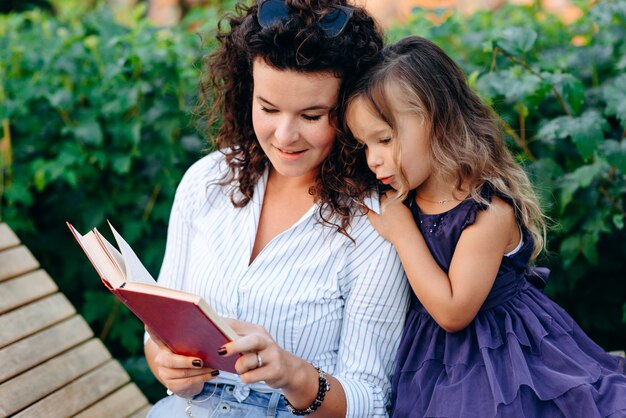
(197, 363)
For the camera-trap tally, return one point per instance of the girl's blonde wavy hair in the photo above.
(467, 147)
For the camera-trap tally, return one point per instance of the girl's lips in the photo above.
(385, 180)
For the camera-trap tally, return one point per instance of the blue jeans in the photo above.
(219, 400)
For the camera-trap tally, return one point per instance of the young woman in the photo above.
(481, 340)
(266, 231)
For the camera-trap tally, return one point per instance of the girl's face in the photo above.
(381, 143)
(291, 118)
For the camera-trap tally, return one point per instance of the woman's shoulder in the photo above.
(202, 179)
(208, 166)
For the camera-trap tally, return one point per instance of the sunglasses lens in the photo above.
(270, 11)
(334, 22)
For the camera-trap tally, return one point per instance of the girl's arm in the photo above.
(452, 299)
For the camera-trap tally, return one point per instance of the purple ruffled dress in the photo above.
(522, 356)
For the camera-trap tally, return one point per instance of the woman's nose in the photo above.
(286, 131)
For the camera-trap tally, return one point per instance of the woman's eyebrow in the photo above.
(306, 109)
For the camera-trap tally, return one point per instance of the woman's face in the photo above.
(291, 118)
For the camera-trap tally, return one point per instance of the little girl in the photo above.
(481, 339)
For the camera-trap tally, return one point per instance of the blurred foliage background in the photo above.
(97, 111)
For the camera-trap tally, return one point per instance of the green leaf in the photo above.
(586, 131)
(589, 247)
(516, 40)
(515, 84)
(618, 221)
(579, 178)
(60, 99)
(121, 163)
(596, 221)
(87, 132)
(570, 88)
(18, 193)
(569, 250)
(615, 96)
(615, 153)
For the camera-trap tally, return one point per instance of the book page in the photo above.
(103, 260)
(135, 270)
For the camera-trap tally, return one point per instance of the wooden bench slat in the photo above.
(25, 289)
(81, 393)
(27, 388)
(16, 261)
(142, 413)
(7, 237)
(122, 403)
(31, 318)
(29, 352)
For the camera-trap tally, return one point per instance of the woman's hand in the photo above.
(395, 218)
(182, 375)
(261, 358)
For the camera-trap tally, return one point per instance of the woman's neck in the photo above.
(293, 185)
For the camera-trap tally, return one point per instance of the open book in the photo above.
(183, 321)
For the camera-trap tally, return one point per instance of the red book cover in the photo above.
(181, 325)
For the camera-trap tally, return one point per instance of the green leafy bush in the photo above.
(561, 90)
(99, 127)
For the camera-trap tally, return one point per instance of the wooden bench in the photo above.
(50, 363)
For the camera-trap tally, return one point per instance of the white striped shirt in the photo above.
(319, 295)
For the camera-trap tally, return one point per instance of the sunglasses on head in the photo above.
(272, 11)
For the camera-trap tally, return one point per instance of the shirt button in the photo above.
(244, 289)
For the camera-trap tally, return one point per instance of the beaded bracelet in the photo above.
(324, 386)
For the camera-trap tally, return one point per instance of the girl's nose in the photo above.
(374, 159)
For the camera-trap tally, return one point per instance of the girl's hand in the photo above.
(261, 358)
(182, 375)
(395, 218)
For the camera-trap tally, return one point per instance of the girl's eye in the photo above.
(384, 141)
(311, 117)
(267, 110)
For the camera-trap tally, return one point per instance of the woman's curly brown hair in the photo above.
(296, 43)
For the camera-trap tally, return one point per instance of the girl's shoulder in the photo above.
(491, 206)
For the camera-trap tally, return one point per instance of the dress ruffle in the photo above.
(526, 351)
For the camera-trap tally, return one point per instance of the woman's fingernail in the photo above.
(221, 351)
(215, 373)
(197, 363)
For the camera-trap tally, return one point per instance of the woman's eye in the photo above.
(384, 141)
(268, 110)
(311, 117)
